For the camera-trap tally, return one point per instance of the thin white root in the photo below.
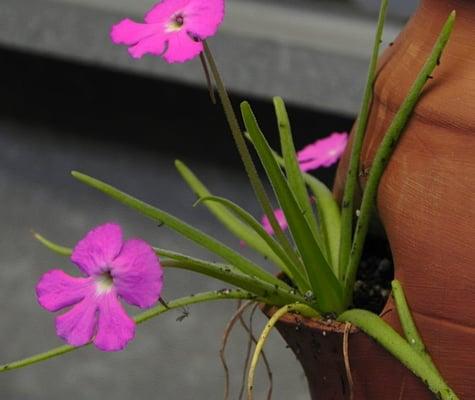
(297, 307)
(252, 339)
(227, 331)
(346, 357)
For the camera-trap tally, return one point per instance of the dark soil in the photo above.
(375, 273)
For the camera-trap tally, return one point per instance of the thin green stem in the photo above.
(226, 273)
(408, 324)
(204, 64)
(56, 248)
(387, 337)
(300, 308)
(245, 155)
(352, 173)
(384, 152)
(140, 318)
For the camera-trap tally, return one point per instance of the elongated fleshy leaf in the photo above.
(292, 169)
(387, 337)
(348, 207)
(229, 274)
(201, 238)
(329, 217)
(328, 212)
(294, 272)
(407, 322)
(384, 152)
(227, 218)
(56, 248)
(326, 288)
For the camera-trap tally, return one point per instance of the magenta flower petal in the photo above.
(323, 153)
(205, 27)
(96, 251)
(173, 29)
(57, 290)
(129, 270)
(137, 274)
(130, 33)
(76, 327)
(115, 328)
(162, 11)
(154, 45)
(279, 214)
(181, 48)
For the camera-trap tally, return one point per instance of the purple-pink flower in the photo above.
(113, 269)
(173, 29)
(279, 215)
(323, 153)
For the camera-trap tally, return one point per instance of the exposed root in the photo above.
(227, 331)
(250, 330)
(260, 344)
(346, 357)
(252, 339)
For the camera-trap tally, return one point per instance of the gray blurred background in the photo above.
(69, 99)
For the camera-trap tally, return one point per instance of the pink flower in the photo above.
(113, 269)
(279, 215)
(173, 29)
(323, 153)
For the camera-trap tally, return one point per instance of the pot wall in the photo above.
(319, 348)
(426, 199)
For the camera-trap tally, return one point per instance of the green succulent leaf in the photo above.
(325, 286)
(387, 337)
(293, 271)
(227, 273)
(292, 168)
(243, 264)
(234, 224)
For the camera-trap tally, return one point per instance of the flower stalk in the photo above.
(250, 168)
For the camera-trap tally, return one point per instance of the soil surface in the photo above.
(375, 273)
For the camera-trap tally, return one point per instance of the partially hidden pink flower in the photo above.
(173, 29)
(279, 215)
(323, 153)
(113, 269)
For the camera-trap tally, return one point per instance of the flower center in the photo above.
(104, 283)
(176, 23)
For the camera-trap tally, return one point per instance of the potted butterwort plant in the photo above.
(312, 239)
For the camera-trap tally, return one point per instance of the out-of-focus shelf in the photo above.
(313, 56)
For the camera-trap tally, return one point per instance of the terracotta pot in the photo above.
(426, 199)
(318, 345)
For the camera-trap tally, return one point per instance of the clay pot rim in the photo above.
(324, 325)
